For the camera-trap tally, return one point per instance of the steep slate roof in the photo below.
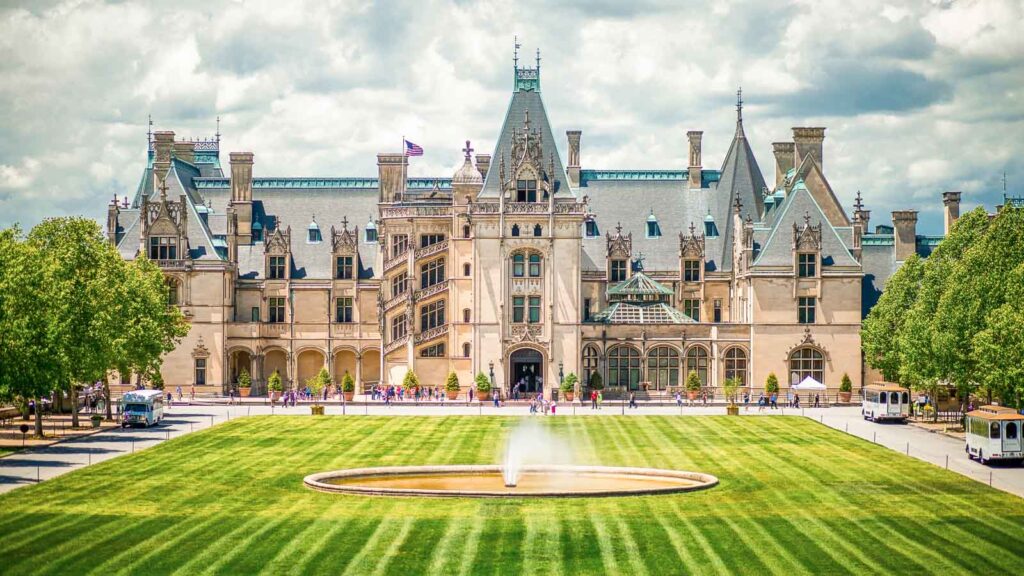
(741, 178)
(523, 101)
(778, 249)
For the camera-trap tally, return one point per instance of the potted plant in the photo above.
(595, 381)
(348, 387)
(483, 387)
(411, 382)
(451, 386)
(568, 386)
(96, 420)
(692, 386)
(274, 385)
(244, 383)
(316, 386)
(771, 385)
(730, 386)
(845, 388)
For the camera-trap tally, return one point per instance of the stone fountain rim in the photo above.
(315, 481)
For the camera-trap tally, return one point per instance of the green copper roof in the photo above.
(633, 313)
(639, 285)
(706, 176)
(411, 183)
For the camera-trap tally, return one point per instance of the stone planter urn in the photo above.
(569, 396)
(96, 420)
(349, 396)
(452, 394)
(483, 396)
(243, 391)
(845, 396)
(692, 394)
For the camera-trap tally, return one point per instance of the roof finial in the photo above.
(737, 205)
(1004, 183)
(538, 60)
(692, 228)
(467, 150)
(527, 122)
(618, 228)
(163, 188)
(515, 53)
(807, 218)
(858, 205)
(218, 129)
(149, 132)
(739, 111)
(344, 223)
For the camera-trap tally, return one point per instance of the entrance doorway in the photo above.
(526, 373)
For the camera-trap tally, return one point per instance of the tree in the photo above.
(845, 385)
(729, 387)
(880, 334)
(595, 381)
(317, 384)
(771, 385)
(998, 349)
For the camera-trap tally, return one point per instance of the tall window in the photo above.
(618, 271)
(344, 267)
(430, 239)
(807, 265)
(691, 307)
(399, 284)
(518, 265)
(275, 307)
(465, 231)
(805, 310)
(590, 229)
(276, 267)
(399, 244)
(465, 315)
(399, 327)
(200, 371)
(663, 367)
(534, 265)
(624, 367)
(736, 365)
(806, 362)
(173, 289)
(343, 310)
(590, 356)
(434, 351)
(537, 230)
(254, 314)
(526, 191)
(691, 270)
(432, 273)
(163, 248)
(718, 310)
(534, 309)
(697, 361)
(431, 315)
(466, 348)
(518, 309)
(466, 269)
(586, 309)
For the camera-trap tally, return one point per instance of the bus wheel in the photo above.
(981, 457)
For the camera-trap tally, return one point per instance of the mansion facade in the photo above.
(518, 265)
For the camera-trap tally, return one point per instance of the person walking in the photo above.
(679, 399)
(761, 401)
(632, 399)
(192, 393)
(817, 400)
(593, 399)
(774, 400)
(177, 391)
(554, 406)
(471, 394)
(600, 399)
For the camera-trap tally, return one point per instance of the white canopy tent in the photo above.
(809, 383)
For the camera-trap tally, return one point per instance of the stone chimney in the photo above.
(783, 160)
(574, 157)
(904, 223)
(483, 164)
(185, 151)
(162, 144)
(951, 200)
(113, 210)
(391, 175)
(695, 167)
(241, 194)
(808, 141)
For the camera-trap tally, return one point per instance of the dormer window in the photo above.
(590, 229)
(710, 229)
(344, 268)
(526, 190)
(163, 248)
(371, 232)
(617, 273)
(276, 265)
(653, 230)
(313, 233)
(257, 232)
(807, 265)
(691, 270)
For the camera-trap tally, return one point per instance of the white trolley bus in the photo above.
(145, 407)
(885, 401)
(994, 433)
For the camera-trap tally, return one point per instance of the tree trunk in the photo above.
(106, 395)
(39, 417)
(74, 406)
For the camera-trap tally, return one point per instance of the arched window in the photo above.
(465, 269)
(806, 362)
(624, 367)
(465, 231)
(465, 350)
(465, 315)
(697, 361)
(173, 291)
(590, 356)
(736, 365)
(515, 229)
(537, 231)
(663, 367)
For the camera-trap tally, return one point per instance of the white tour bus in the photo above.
(145, 407)
(994, 433)
(885, 401)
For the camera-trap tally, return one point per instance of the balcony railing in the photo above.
(396, 300)
(428, 251)
(395, 344)
(273, 330)
(522, 330)
(435, 332)
(575, 208)
(526, 207)
(484, 208)
(395, 260)
(177, 264)
(415, 211)
(430, 291)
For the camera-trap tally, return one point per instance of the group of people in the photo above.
(418, 394)
(541, 405)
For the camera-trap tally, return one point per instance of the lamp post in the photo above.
(490, 366)
(561, 376)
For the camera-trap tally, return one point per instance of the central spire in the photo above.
(739, 113)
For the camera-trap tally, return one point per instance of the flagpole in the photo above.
(405, 167)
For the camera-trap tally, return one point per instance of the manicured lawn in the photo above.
(6, 451)
(795, 497)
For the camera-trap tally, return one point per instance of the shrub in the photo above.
(316, 385)
(845, 385)
(569, 384)
(410, 381)
(274, 382)
(348, 384)
(692, 382)
(482, 383)
(452, 385)
(595, 381)
(730, 386)
(771, 385)
(244, 380)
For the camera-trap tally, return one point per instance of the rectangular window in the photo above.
(805, 310)
(344, 265)
(618, 271)
(431, 315)
(163, 248)
(431, 239)
(276, 267)
(534, 309)
(431, 273)
(691, 307)
(255, 314)
(534, 265)
(200, 371)
(275, 307)
(526, 191)
(371, 235)
(591, 229)
(399, 284)
(518, 309)
(718, 311)
(691, 270)
(807, 265)
(435, 351)
(399, 244)
(518, 265)
(586, 309)
(398, 327)
(344, 310)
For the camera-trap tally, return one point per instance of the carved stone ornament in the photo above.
(344, 241)
(619, 246)
(691, 246)
(200, 350)
(278, 242)
(807, 238)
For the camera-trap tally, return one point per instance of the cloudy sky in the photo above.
(918, 97)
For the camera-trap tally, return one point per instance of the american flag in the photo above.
(413, 149)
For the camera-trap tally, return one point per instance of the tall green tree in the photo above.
(998, 349)
(880, 334)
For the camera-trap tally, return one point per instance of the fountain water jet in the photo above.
(531, 443)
